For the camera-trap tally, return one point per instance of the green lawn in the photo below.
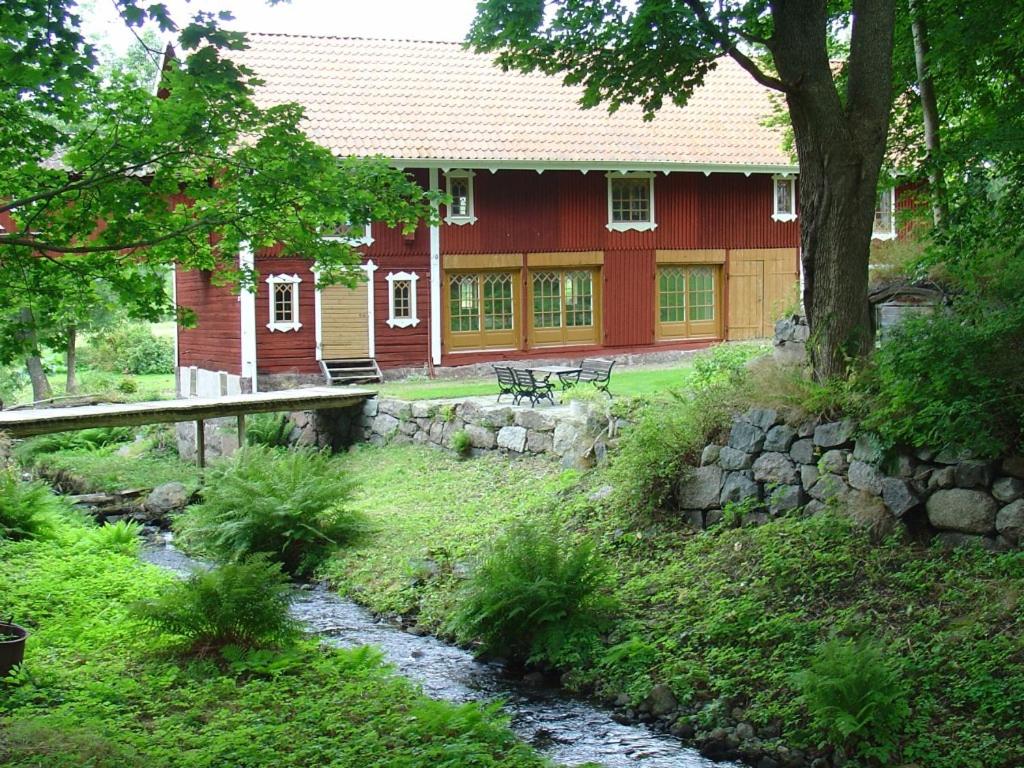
(114, 387)
(626, 382)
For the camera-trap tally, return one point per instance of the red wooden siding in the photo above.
(285, 351)
(402, 347)
(628, 289)
(215, 343)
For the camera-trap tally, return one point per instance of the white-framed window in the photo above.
(355, 234)
(284, 302)
(885, 215)
(784, 197)
(402, 299)
(631, 202)
(462, 209)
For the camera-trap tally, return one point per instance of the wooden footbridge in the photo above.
(44, 421)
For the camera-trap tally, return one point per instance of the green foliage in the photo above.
(101, 689)
(856, 697)
(270, 429)
(131, 348)
(461, 442)
(667, 435)
(82, 440)
(289, 505)
(103, 469)
(28, 510)
(724, 364)
(122, 536)
(244, 603)
(946, 380)
(532, 594)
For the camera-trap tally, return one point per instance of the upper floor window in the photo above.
(356, 234)
(284, 302)
(784, 188)
(631, 201)
(461, 210)
(885, 215)
(402, 299)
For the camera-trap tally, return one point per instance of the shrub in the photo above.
(122, 536)
(461, 442)
(534, 596)
(855, 697)
(270, 429)
(130, 349)
(667, 434)
(287, 504)
(724, 363)
(82, 440)
(244, 604)
(27, 510)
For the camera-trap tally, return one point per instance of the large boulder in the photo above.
(700, 488)
(738, 486)
(166, 498)
(710, 454)
(779, 438)
(481, 437)
(835, 461)
(512, 439)
(864, 477)
(785, 498)
(802, 451)
(763, 418)
(732, 459)
(828, 487)
(963, 510)
(868, 512)
(776, 468)
(568, 436)
(1008, 489)
(973, 474)
(660, 701)
(384, 424)
(1010, 522)
(534, 419)
(834, 434)
(746, 437)
(898, 496)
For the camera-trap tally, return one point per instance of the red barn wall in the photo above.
(285, 351)
(215, 343)
(628, 289)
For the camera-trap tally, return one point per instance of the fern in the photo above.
(273, 430)
(122, 536)
(286, 504)
(28, 510)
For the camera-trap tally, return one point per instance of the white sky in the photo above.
(411, 19)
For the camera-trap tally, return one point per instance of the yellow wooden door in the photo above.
(345, 322)
(746, 299)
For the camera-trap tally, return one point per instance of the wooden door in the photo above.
(345, 322)
(762, 283)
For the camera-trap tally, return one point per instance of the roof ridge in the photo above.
(357, 38)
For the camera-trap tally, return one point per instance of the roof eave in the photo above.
(540, 166)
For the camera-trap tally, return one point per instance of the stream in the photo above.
(568, 730)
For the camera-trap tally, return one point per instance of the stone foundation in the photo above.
(768, 468)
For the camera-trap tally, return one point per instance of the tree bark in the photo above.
(929, 109)
(71, 360)
(840, 143)
(33, 363)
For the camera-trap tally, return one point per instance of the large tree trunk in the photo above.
(929, 109)
(840, 143)
(33, 363)
(71, 361)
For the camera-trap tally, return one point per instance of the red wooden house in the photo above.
(571, 232)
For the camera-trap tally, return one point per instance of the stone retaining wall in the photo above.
(768, 468)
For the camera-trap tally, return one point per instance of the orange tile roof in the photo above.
(437, 102)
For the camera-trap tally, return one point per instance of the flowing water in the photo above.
(568, 730)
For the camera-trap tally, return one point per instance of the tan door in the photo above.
(762, 282)
(344, 322)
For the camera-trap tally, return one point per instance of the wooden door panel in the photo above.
(345, 322)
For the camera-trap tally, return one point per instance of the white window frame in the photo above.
(414, 318)
(272, 282)
(470, 216)
(626, 226)
(889, 234)
(778, 215)
(366, 239)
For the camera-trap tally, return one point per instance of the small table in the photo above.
(561, 371)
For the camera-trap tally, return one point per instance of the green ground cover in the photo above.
(113, 387)
(102, 689)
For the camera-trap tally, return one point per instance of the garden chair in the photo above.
(529, 386)
(506, 381)
(595, 370)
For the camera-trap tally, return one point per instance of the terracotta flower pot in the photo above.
(12, 646)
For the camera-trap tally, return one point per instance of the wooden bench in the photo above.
(593, 370)
(506, 381)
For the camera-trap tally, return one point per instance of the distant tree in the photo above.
(101, 176)
(650, 50)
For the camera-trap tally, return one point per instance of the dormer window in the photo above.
(354, 234)
(284, 302)
(462, 209)
(885, 215)
(784, 189)
(631, 202)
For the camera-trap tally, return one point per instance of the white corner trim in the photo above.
(294, 281)
(318, 311)
(371, 330)
(626, 226)
(435, 278)
(402, 322)
(247, 319)
(469, 217)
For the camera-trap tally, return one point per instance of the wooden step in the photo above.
(360, 370)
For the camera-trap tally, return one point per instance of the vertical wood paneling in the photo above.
(628, 298)
(402, 347)
(215, 343)
(285, 351)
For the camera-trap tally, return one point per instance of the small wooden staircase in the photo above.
(352, 370)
